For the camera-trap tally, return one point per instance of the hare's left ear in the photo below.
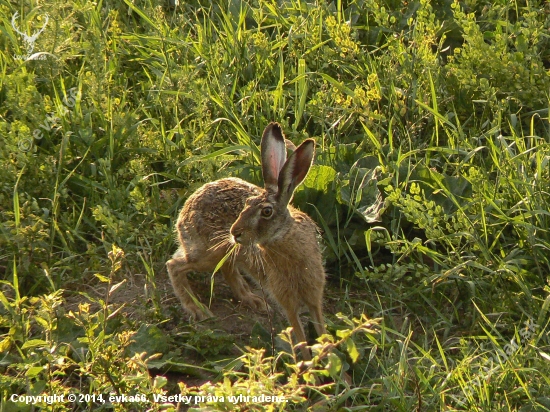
(295, 170)
(273, 155)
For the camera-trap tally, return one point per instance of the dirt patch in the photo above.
(225, 336)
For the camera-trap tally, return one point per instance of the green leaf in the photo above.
(102, 278)
(34, 343)
(320, 177)
(360, 191)
(334, 365)
(343, 333)
(352, 350)
(43, 322)
(33, 371)
(5, 344)
(141, 14)
(317, 190)
(160, 382)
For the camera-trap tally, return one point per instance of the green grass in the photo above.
(431, 185)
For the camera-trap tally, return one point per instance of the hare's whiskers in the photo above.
(254, 255)
(235, 252)
(279, 254)
(220, 234)
(222, 242)
(256, 261)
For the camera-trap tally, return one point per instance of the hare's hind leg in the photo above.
(316, 313)
(294, 319)
(241, 290)
(178, 268)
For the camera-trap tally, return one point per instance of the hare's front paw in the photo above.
(255, 302)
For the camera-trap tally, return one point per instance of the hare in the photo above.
(273, 242)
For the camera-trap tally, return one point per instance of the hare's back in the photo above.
(216, 205)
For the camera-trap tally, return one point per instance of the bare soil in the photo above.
(230, 317)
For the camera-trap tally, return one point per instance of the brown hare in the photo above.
(276, 244)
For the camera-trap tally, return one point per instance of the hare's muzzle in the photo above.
(236, 234)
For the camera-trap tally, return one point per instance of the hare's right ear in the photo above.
(273, 155)
(295, 171)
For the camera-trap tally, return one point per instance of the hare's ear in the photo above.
(295, 170)
(290, 146)
(273, 155)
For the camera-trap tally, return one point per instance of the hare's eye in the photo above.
(267, 211)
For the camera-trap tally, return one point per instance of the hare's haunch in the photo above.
(276, 244)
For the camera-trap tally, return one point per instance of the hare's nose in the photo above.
(237, 234)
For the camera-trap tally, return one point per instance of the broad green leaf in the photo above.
(5, 344)
(352, 350)
(317, 189)
(34, 343)
(33, 371)
(334, 365)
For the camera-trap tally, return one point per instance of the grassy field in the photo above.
(431, 185)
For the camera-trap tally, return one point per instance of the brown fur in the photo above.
(276, 244)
